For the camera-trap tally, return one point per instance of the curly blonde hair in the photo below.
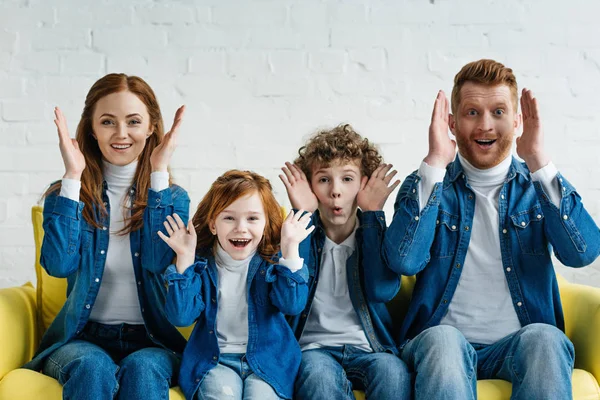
(340, 144)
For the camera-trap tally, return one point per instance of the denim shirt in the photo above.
(272, 351)
(76, 250)
(370, 282)
(433, 244)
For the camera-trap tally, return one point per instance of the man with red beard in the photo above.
(477, 229)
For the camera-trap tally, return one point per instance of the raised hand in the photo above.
(530, 146)
(294, 231)
(442, 149)
(181, 239)
(69, 148)
(161, 155)
(375, 190)
(298, 188)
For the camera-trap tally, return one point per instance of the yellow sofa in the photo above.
(26, 312)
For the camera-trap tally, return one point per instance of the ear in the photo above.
(213, 228)
(518, 122)
(452, 124)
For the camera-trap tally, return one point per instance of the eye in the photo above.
(348, 179)
(135, 122)
(323, 179)
(228, 218)
(499, 112)
(471, 112)
(107, 122)
(253, 218)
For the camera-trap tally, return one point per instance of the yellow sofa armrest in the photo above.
(18, 327)
(581, 307)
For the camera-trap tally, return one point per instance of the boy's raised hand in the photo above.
(375, 190)
(298, 188)
(69, 148)
(161, 155)
(442, 149)
(181, 239)
(530, 145)
(293, 231)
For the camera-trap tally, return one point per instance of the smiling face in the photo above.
(485, 124)
(240, 226)
(336, 188)
(121, 124)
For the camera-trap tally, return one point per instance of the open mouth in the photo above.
(337, 210)
(485, 143)
(239, 243)
(120, 146)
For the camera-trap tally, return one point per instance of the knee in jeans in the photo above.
(98, 366)
(544, 337)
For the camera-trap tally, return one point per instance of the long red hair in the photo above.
(91, 178)
(225, 190)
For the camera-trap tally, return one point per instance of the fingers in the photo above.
(176, 123)
(191, 228)
(179, 221)
(290, 216)
(394, 186)
(61, 125)
(436, 107)
(304, 219)
(164, 237)
(168, 227)
(388, 178)
(288, 172)
(297, 172)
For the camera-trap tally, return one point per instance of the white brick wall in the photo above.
(258, 73)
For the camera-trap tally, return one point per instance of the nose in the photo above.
(485, 122)
(241, 225)
(122, 130)
(336, 191)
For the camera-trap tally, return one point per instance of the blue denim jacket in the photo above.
(433, 244)
(76, 250)
(272, 352)
(370, 282)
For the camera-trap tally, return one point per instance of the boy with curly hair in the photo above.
(345, 330)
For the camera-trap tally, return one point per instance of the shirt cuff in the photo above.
(70, 189)
(546, 176)
(429, 177)
(294, 264)
(159, 180)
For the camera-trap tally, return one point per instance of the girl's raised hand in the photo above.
(161, 155)
(69, 148)
(181, 239)
(293, 231)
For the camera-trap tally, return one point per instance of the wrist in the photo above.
(184, 262)
(290, 252)
(72, 175)
(536, 162)
(433, 160)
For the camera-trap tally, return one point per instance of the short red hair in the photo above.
(485, 72)
(225, 190)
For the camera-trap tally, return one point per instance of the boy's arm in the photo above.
(408, 239)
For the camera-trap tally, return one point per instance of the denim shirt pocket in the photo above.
(529, 226)
(87, 237)
(261, 287)
(446, 235)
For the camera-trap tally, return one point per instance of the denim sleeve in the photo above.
(156, 254)
(289, 290)
(409, 237)
(184, 301)
(380, 282)
(570, 229)
(60, 252)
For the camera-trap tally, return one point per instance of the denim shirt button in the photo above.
(470, 197)
(453, 227)
(97, 280)
(87, 306)
(210, 332)
(137, 254)
(502, 197)
(523, 223)
(539, 216)
(504, 231)
(508, 269)
(417, 218)
(262, 271)
(445, 301)
(565, 217)
(102, 252)
(519, 304)
(214, 300)
(215, 358)
(437, 222)
(143, 310)
(139, 283)
(105, 204)
(158, 200)
(197, 380)
(458, 265)
(303, 315)
(466, 228)
(564, 189)
(560, 179)
(414, 190)
(103, 228)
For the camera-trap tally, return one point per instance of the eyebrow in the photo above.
(249, 212)
(127, 116)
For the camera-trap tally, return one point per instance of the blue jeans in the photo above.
(332, 374)
(113, 361)
(537, 359)
(232, 379)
